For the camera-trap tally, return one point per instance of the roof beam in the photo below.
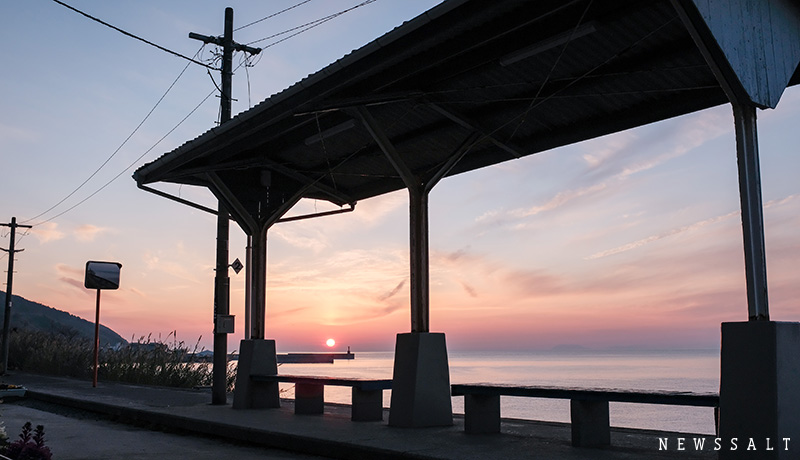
(475, 126)
(377, 133)
(471, 140)
(226, 195)
(332, 105)
(337, 196)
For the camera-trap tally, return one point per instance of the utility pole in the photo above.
(9, 285)
(221, 279)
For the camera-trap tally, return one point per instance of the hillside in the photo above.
(26, 314)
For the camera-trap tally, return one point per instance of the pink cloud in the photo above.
(87, 232)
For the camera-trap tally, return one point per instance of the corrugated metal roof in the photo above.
(587, 68)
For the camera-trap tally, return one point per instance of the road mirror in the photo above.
(102, 275)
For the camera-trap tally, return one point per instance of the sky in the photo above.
(627, 240)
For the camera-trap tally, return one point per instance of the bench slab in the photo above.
(675, 398)
(367, 394)
(589, 408)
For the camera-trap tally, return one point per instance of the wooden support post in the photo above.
(248, 285)
(258, 284)
(420, 287)
(752, 211)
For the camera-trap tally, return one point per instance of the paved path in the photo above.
(72, 435)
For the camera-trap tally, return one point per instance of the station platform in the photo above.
(332, 434)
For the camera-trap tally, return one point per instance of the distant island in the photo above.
(570, 347)
(26, 314)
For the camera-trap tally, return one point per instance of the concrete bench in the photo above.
(588, 407)
(309, 394)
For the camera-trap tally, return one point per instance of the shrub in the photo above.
(28, 446)
(146, 361)
(56, 353)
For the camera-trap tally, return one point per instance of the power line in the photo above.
(118, 148)
(552, 69)
(310, 25)
(247, 72)
(272, 15)
(131, 165)
(133, 36)
(27, 232)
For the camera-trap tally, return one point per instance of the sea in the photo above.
(667, 370)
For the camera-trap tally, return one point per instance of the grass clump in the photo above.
(61, 352)
(146, 361)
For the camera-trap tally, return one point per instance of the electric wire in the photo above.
(132, 164)
(309, 25)
(247, 66)
(534, 103)
(312, 24)
(23, 235)
(552, 69)
(272, 15)
(140, 156)
(133, 36)
(315, 24)
(118, 148)
(213, 81)
(191, 60)
(324, 149)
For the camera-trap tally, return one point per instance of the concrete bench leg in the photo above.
(309, 398)
(481, 414)
(590, 423)
(367, 406)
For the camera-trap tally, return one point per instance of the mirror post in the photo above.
(96, 340)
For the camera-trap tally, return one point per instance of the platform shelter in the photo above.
(470, 84)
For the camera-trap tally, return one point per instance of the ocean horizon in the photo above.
(681, 370)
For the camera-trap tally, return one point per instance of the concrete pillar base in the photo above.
(256, 357)
(421, 382)
(760, 390)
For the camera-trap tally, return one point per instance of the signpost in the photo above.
(100, 275)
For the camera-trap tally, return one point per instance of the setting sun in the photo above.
(330, 343)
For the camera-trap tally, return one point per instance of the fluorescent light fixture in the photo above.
(330, 132)
(548, 43)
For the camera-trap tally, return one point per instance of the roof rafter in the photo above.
(473, 125)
